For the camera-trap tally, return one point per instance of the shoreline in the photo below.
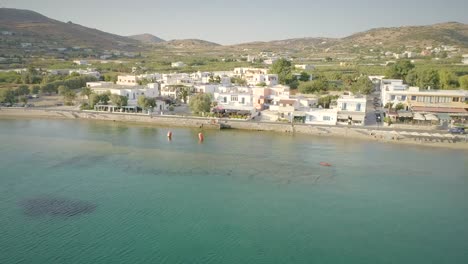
(386, 136)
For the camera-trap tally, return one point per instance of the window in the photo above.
(403, 98)
(456, 99)
(243, 100)
(392, 97)
(234, 98)
(326, 118)
(413, 98)
(225, 99)
(343, 106)
(358, 107)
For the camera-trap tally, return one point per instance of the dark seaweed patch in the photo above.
(53, 206)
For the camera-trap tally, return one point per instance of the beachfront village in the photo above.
(257, 95)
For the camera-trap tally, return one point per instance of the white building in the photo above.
(178, 64)
(387, 86)
(235, 98)
(304, 67)
(267, 79)
(80, 62)
(129, 80)
(132, 92)
(319, 116)
(87, 72)
(465, 59)
(351, 110)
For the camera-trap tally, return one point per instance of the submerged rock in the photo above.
(54, 206)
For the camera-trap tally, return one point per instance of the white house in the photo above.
(267, 79)
(178, 64)
(80, 62)
(132, 92)
(351, 110)
(235, 98)
(387, 86)
(87, 72)
(465, 59)
(319, 116)
(206, 88)
(304, 67)
(129, 80)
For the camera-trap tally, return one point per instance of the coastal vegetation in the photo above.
(200, 103)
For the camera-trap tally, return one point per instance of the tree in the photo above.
(119, 100)
(399, 107)
(239, 81)
(22, 90)
(35, 89)
(400, 69)
(283, 68)
(7, 96)
(68, 94)
(200, 103)
(412, 77)
(447, 79)
(314, 86)
(428, 78)
(93, 99)
(86, 91)
(182, 93)
(145, 102)
(304, 77)
(105, 97)
(362, 86)
(463, 80)
(325, 101)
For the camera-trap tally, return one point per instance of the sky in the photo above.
(239, 21)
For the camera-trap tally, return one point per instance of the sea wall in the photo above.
(384, 134)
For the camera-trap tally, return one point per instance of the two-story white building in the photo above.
(234, 98)
(351, 110)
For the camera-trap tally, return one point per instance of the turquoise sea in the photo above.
(96, 192)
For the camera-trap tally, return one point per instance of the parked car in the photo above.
(457, 130)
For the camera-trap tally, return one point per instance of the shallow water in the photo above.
(239, 197)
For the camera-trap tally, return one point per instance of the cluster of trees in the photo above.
(200, 103)
(425, 77)
(19, 94)
(355, 84)
(68, 94)
(146, 103)
(103, 99)
(72, 83)
(284, 69)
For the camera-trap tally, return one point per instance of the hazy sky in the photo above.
(236, 21)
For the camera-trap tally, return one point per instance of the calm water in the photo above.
(239, 197)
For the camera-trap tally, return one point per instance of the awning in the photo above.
(418, 116)
(440, 109)
(405, 114)
(431, 117)
(443, 116)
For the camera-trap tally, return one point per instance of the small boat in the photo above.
(326, 164)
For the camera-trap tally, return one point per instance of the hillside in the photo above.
(47, 35)
(147, 38)
(451, 33)
(189, 44)
(29, 26)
